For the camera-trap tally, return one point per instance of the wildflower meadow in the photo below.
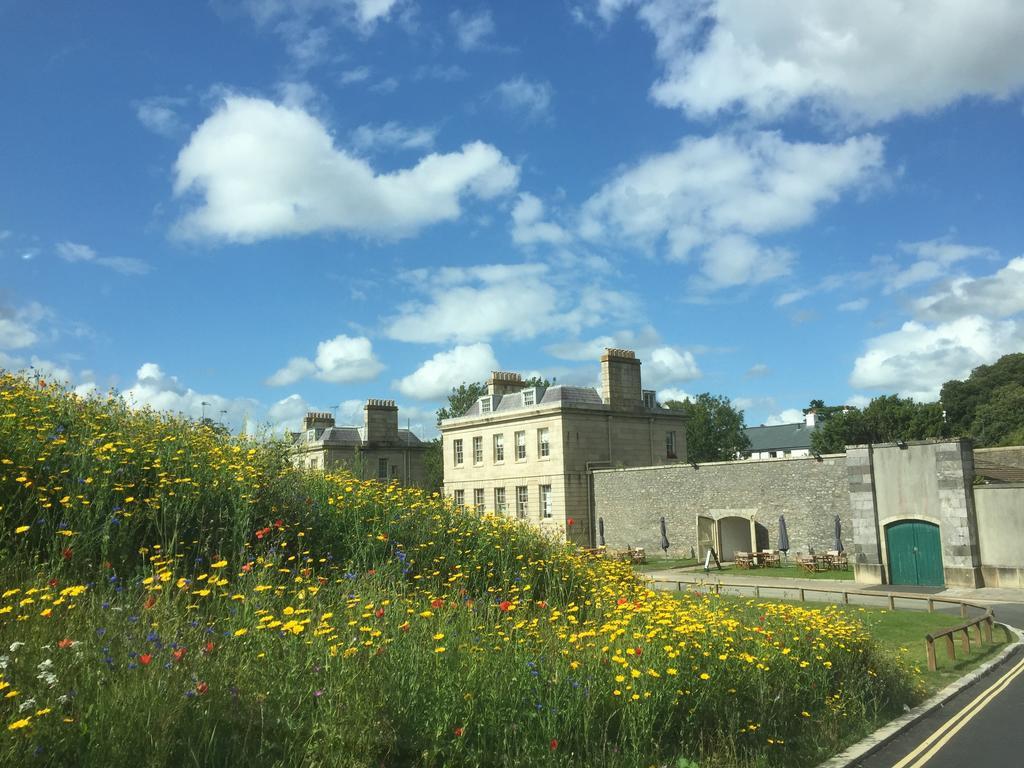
(172, 596)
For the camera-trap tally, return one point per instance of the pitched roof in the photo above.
(343, 437)
(559, 393)
(780, 437)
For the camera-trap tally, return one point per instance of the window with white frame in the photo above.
(545, 501)
(382, 469)
(529, 396)
(459, 497)
(522, 501)
(670, 444)
(500, 506)
(521, 445)
(457, 451)
(478, 450)
(649, 399)
(499, 447)
(543, 443)
(485, 404)
(478, 499)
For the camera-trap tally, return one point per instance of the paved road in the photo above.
(981, 725)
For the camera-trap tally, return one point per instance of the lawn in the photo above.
(785, 571)
(664, 563)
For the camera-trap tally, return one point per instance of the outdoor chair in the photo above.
(743, 560)
(807, 562)
(770, 558)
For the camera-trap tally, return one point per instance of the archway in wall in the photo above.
(915, 553)
(734, 536)
(761, 536)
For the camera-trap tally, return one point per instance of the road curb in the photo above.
(877, 740)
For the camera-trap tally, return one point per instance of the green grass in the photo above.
(663, 563)
(788, 571)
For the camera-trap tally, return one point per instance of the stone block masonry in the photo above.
(808, 492)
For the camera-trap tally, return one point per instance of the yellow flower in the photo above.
(21, 529)
(440, 649)
(705, 676)
(240, 632)
(219, 564)
(439, 636)
(18, 724)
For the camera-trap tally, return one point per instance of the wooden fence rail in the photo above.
(982, 624)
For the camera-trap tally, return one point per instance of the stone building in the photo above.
(377, 450)
(780, 441)
(529, 452)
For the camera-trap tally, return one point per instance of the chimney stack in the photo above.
(380, 421)
(620, 379)
(318, 420)
(503, 382)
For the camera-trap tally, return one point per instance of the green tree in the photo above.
(1000, 419)
(962, 399)
(433, 465)
(461, 400)
(886, 418)
(714, 428)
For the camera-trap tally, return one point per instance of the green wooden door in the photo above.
(915, 553)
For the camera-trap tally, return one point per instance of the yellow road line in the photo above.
(959, 720)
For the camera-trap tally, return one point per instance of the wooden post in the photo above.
(963, 610)
(802, 599)
(950, 648)
(846, 598)
(931, 605)
(757, 591)
(977, 632)
(988, 630)
(929, 649)
(965, 642)
(892, 603)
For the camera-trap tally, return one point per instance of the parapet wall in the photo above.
(808, 492)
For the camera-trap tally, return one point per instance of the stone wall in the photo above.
(1000, 512)
(808, 492)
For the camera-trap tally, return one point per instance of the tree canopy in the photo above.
(714, 429)
(885, 419)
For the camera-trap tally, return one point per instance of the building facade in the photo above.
(529, 452)
(378, 450)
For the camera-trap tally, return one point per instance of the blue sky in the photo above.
(270, 206)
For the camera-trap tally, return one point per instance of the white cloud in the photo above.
(853, 306)
(155, 389)
(529, 227)
(77, 252)
(791, 296)
(286, 415)
(519, 301)
(392, 135)
(160, 115)
(523, 96)
(934, 258)
(267, 170)
(673, 393)
(471, 30)
(434, 379)
(917, 359)
(667, 365)
(714, 194)
(998, 295)
(861, 62)
(361, 13)
(757, 370)
(355, 75)
(338, 360)
(788, 416)
(19, 328)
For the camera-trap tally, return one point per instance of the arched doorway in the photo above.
(734, 536)
(915, 553)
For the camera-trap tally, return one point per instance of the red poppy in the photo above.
(459, 731)
(68, 553)
(246, 567)
(379, 613)
(372, 572)
(202, 687)
(107, 565)
(208, 648)
(42, 383)
(554, 744)
(639, 651)
(570, 521)
(67, 642)
(178, 654)
(150, 602)
(437, 602)
(279, 523)
(542, 604)
(621, 601)
(53, 582)
(145, 658)
(505, 606)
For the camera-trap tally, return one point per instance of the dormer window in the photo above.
(485, 404)
(529, 396)
(311, 436)
(649, 400)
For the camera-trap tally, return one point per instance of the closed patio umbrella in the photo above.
(783, 534)
(600, 530)
(839, 535)
(664, 537)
